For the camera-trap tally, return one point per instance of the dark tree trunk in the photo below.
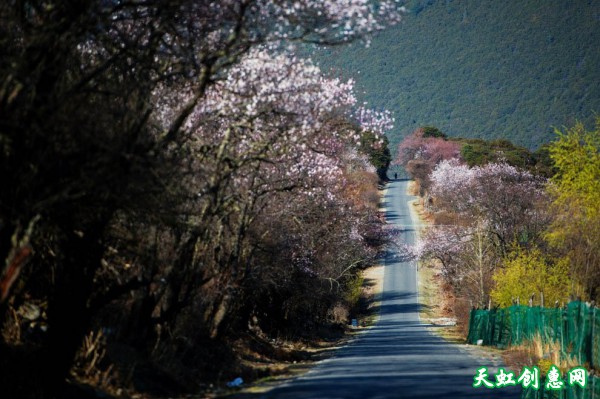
(69, 314)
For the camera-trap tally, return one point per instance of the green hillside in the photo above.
(482, 68)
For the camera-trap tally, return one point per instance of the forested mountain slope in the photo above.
(482, 68)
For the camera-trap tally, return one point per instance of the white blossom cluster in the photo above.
(377, 122)
(280, 109)
(462, 188)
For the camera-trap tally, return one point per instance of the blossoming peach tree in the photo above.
(493, 207)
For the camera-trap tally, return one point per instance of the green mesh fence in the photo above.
(575, 328)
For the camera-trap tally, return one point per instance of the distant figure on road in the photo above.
(395, 176)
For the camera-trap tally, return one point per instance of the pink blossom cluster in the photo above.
(442, 242)
(485, 189)
(431, 150)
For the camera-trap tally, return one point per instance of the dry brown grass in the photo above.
(550, 353)
(92, 368)
(516, 358)
(413, 188)
(538, 354)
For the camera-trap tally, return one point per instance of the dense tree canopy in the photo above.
(420, 152)
(376, 148)
(575, 230)
(505, 229)
(493, 207)
(530, 274)
(156, 160)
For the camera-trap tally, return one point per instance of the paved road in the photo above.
(398, 357)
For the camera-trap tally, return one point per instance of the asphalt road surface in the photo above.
(398, 357)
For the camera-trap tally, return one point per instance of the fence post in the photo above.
(562, 330)
(517, 315)
(592, 342)
(543, 328)
(471, 325)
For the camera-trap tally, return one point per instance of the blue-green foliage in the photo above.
(378, 153)
(489, 69)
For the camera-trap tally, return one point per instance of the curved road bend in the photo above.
(398, 357)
